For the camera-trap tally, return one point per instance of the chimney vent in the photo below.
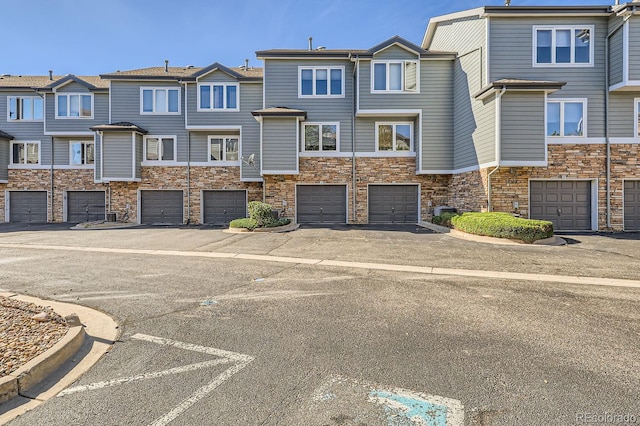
(166, 65)
(246, 64)
(507, 2)
(310, 43)
(51, 75)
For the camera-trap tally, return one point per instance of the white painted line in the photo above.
(106, 296)
(196, 348)
(154, 375)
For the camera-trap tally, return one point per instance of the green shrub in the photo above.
(444, 219)
(280, 222)
(261, 213)
(245, 222)
(503, 225)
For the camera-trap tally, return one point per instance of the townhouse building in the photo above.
(529, 110)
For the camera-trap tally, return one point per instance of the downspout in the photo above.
(498, 145)
(606, 116)
(53, 215)
(354, 180)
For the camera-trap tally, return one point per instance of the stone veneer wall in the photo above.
(337, 170)
(32, 180)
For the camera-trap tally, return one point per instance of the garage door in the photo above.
(393, 203)
(85, 206)
(161, 207)
(321, 203)
(565, 203)
(632, 205)
(221, 207)
(28, 206)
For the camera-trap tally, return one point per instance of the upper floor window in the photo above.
(74, 105)
(394, 137)
(394, 76)
(159, 100)
(81, 153)
(223, 148)
(25, 153)
(320, 137)
(159, 148)
(218, 96)
(25, 108)
(563, 45)
(321, 82)
(566, 118)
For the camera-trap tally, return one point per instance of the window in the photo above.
(394, 76)
(223, 148)
(218, 96)
(25, 153)
(161, 100)
(563, 46)
(74, 106)
(25, 108)
(81, 153)
(320, 137)
(566, 118)
(394, 137)
(321, 82)
(159, 148)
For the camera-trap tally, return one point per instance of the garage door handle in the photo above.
(559, 212)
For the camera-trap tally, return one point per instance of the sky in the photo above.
(91, 37)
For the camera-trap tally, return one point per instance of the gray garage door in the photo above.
(393, 203)
(161, 207)
(221, 207)
(28, 206)
(632, 205)
(85, 206)
(565, 203)
(321, 203)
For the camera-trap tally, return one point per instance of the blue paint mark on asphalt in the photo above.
(411, 408)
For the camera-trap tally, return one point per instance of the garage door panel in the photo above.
(393, 203)
(321, 203)
(85, 206)
(161, 207)
(28, 206)
(567, 204)
(221, 207)
(632, 205)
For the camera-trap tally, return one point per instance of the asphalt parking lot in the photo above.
(224, 328)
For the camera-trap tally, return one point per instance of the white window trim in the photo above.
(146, 162)
(25, 165)
(68, 117)
(225, 101)
(18, 120)
(554, 28)
(402, 63)
(562, 101)
(224, 150)
(319, 123)
(83, 165)
(154, 89)
(313, 85)
(394, 124)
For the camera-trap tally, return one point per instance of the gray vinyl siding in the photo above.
(621, 114)
(217, 76)
(24, 130)
(58, 125)
(98, 158)
(125, 106)
(281, 85)
(118, 156)
(279, 147)
(60, 151)
(634, 48)
(522, 127)
(139, 154)
(436, 148)
(615, 58)
(250, 100)
(511, 43)
(4, 159)
(394, 53)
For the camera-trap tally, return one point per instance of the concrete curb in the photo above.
(552, 241)
(277, 229)
(43, 377)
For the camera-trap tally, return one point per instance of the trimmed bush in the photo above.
(503, 225)
(261, 213)
(444, 219)
(245, 222)
(281, 222)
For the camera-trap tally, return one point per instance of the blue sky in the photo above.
(90, 37)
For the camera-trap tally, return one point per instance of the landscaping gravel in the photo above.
(26, 331)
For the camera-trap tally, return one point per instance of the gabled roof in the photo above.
(85, 81)
(237, 73)
(122, 126)
(5, 135)
(519, 84)
(404, 44)
(188, 73)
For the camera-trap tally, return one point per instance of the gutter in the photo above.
(498, 145)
